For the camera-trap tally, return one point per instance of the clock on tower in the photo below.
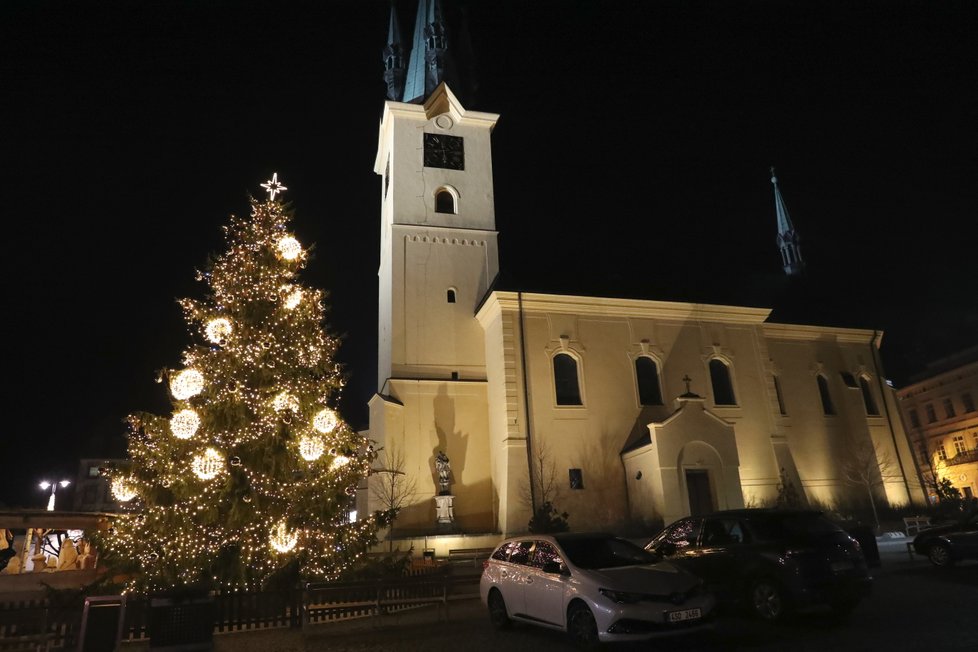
(441, 151)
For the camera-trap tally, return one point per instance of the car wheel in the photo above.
(940, 555)
(766, 600)
(581, 627)
(497, 610)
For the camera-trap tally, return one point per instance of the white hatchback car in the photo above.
(596, 587)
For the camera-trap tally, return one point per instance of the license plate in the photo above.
(684, 614)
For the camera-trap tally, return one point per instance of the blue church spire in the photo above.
(428, 63)
(395, 68)
(789, 242)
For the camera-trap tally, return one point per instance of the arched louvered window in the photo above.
(868, 399)
(445, 202)
(565, 380)
(647, 374)
(823, 392)
(723, 393)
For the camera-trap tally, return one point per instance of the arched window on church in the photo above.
(868, 399)
(823, 392)
(566, 383)
(647, 374)
(445, 202)
(723, 393)
(451, 295)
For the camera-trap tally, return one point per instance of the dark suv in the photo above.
(771, 561)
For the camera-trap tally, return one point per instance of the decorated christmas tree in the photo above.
(254, 472)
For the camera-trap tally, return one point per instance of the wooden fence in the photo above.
(41, 625)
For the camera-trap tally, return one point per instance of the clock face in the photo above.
(441, 151)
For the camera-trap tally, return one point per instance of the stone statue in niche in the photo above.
(444, 469)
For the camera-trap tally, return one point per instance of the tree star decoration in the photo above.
(184, 424)
(187, 383)
(273, 186)
(311, 448)
(208, 465)
(325, 421)
(281, 539)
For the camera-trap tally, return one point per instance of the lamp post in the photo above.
(54, 487)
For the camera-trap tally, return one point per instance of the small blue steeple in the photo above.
(789, 242)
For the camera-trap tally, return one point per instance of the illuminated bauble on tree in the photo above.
(207, 465)
(284, 401)
(289, 248)
(187, 384)
(184, 424)
(339, 462)
(311, 448)
(293, 297)
(122, 490)
(218, 330)
(282, 539)
(325, 421)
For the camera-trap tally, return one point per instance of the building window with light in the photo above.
(566, 383)
(647, 375)
(941, 453)
(723, 393)
(868, 399)
(931, 414)
(949, 408)
(958, 444)
(823, 392)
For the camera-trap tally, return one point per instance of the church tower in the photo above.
(789, 242)
(438, 258)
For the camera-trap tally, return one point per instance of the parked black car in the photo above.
(770, 561)
(944, 545)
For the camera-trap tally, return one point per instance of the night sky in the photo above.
(631, 159)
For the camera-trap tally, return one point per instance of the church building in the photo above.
(621, 412)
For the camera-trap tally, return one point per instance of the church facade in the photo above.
(617, 411)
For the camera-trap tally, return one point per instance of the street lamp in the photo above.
(54, 487)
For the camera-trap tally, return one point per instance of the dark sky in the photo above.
(630, 159)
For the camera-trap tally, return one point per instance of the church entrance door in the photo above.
(700, 496)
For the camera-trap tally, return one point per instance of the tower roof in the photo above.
(784, 221)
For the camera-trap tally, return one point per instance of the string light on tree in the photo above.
(284, 401)
(293, 297)
(187, 384)
(184, 424)
(339, 462)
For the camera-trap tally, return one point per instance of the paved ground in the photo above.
(914, 607)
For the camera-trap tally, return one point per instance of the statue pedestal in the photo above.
(444, 510)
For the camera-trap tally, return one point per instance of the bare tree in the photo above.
(392, 488)
(546, 517)
(867, 465)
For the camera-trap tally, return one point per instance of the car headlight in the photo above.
(621, 597)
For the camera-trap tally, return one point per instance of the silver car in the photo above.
(596, 587)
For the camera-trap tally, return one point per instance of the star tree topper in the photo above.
(273, 186)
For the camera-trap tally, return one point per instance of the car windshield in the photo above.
(603, 552)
